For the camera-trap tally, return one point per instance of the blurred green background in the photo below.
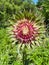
(9, 10)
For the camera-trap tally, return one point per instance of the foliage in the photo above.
(44, 5)
(8, 53)
(12, 7)
(40, 56)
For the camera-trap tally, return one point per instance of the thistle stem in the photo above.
(25, 60)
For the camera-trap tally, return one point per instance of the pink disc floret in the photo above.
(25, 31)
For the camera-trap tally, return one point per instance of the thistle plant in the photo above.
(27, 31)
(26, 34)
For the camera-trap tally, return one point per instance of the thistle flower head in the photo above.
(25, 31)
